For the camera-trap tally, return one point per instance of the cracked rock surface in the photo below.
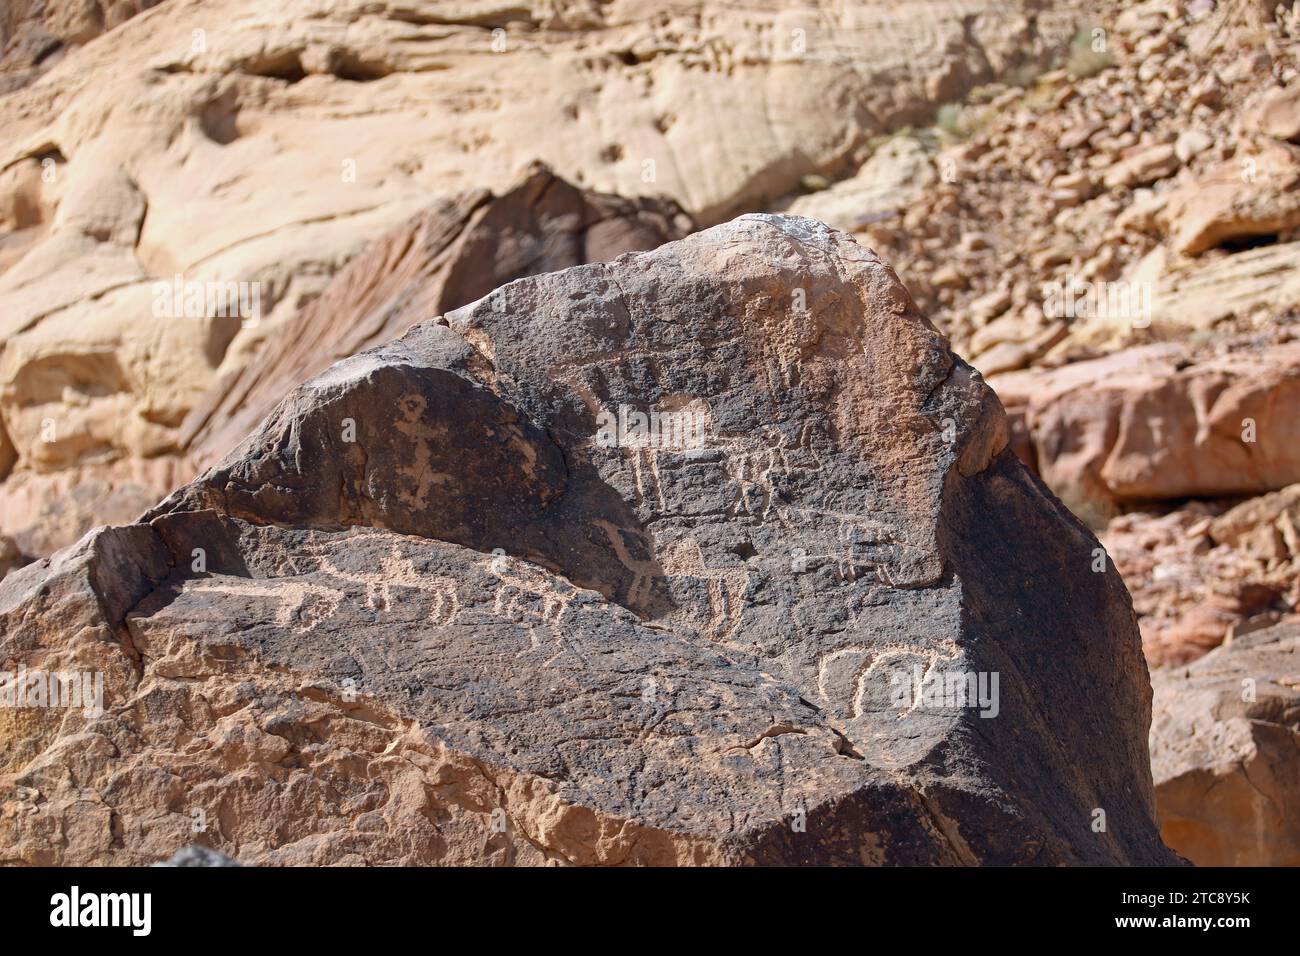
(241, 141)
(1225, 751)
(435, 609)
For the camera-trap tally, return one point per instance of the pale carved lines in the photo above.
(643, 571)
(851, 533)
(396, 570)
(868, 659)
(727, 586)
(647, 460)
(750, 472)
(685, 559)
(518, 580)
(517, 583)
(290, 598)
(750, 464)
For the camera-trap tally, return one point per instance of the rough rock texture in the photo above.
(1203, 574)
(35, 34)
(244, 141)
(1160, 422)
(11, 556)
(198, 855)
(1225, 751)
(426, 612)
(453, 252)
(445, 257)
(1255, 196)
(894, 176)
(1154, 163)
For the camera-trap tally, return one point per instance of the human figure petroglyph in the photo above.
(411, 424)
(292, 599)
(727, 585)
(749, 471)
(855, 664)
(519, 580)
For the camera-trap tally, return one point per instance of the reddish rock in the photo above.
(1160, 422)
(456, 251)
(1225, 751)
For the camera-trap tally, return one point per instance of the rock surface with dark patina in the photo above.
(627, 563)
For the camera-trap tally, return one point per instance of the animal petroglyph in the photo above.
(518, 582)
(298, 604)
(644, 571)
(844, 675)
(727, 586)
(752, 464)
(396, 570)
(857, 543)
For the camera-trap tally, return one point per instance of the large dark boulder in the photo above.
(451, 603)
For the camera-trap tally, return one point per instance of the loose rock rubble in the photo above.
(214, 145)
(1166, 165)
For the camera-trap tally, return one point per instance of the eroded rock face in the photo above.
(450, 603)
(232, 141)
(1159, 172)
(1160, 422)
(35, 34)
(1224, 752)
(69, 399)
(449, 255)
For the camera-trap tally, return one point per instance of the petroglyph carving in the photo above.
(299, 605)
(411, 424)
(844, 675)
(751, 465)
(396, 570)
(644, 571)
(857, 542)
(727, 586)
(645, 468)
(520, 581)
(749, 469)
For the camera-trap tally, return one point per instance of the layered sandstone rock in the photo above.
(1160, 422)
(892, 178)
(1225, 751)
(73, 399)
(241, 142)
(443, 258)
(1255, 196)
(456, 601)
